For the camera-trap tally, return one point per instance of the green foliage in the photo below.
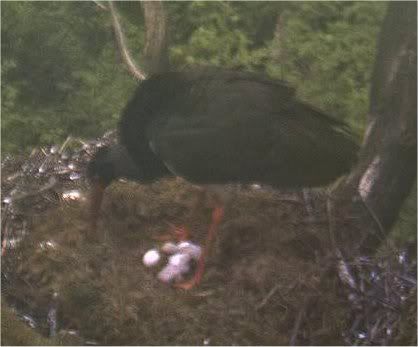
(329, 50)
(62, 75)
(59, 76)
(228, 34)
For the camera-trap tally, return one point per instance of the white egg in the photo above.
(172, 273)
(166, 275)
(151, 258)
(193, 250)
(179, 259)
(184, 244)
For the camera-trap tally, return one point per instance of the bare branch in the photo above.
(298, 322)
(120, 39)
(100, 5)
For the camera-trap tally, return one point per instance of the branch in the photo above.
(278, 53)
(120, 39)
(156, 43)
(100, 5)
(387, 167)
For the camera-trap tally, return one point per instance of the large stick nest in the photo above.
(268, 282)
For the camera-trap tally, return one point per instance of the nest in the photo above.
(266, 283)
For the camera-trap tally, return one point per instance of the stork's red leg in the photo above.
(98, 188)
(182, 232)
(217, 215)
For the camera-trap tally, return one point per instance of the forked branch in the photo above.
(123, 49)
(155, 56)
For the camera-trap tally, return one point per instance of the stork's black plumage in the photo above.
(217, 126)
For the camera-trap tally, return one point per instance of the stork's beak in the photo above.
(97, 190)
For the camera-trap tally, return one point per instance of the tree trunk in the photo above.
(365, 206)
(155, 54)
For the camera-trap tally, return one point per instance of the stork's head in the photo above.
(108, 164)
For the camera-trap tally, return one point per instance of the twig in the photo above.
(374, 330)
(67, 140)
(5, 234)
(323, 220)
(49, 185)
(272, 292)
(4, 243)
(331, 223)
(267, 297)
(374, 216)
(298, 322)
(296, 201)
(100, 5)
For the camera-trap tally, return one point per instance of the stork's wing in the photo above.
(247, 130)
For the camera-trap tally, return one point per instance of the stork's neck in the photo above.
(123, 164)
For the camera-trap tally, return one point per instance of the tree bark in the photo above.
(365, 206)
(156, 37)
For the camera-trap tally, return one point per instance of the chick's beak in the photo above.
(97, 190)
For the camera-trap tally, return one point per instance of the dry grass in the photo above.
(262, 277)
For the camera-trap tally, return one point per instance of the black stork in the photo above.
(214, 126)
